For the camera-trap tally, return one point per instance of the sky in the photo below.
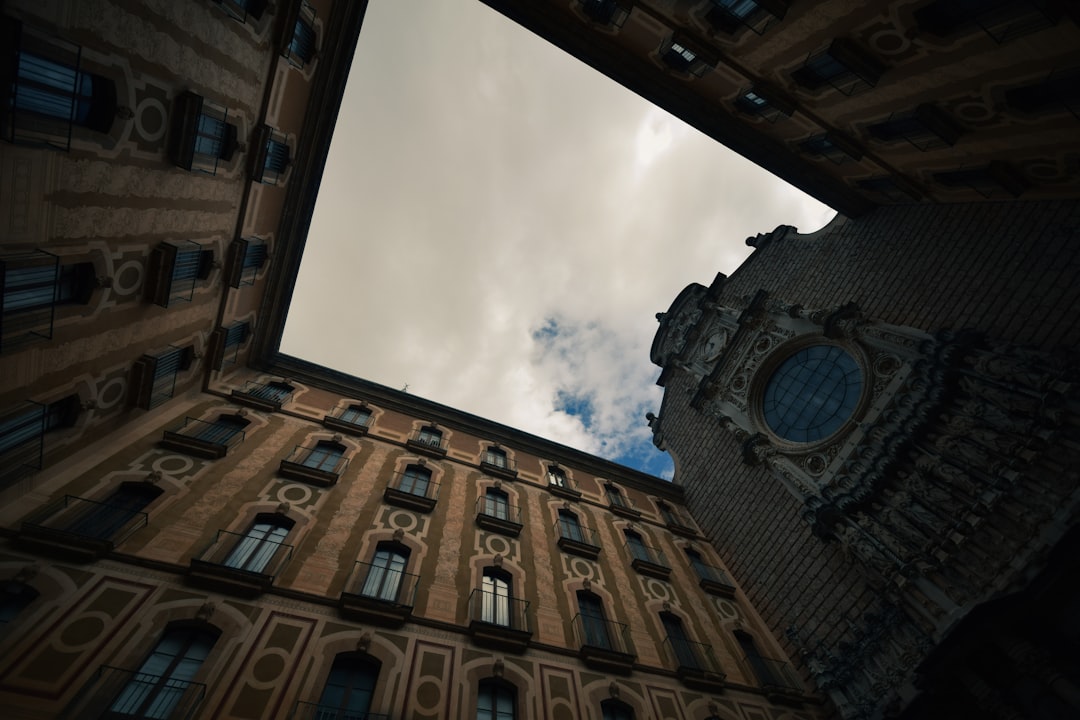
(499, 224)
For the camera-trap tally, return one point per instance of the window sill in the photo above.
(651, 569)
(309, 475)
(577, 547)
(373, 610)
(499, 525)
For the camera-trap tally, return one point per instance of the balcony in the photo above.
(776, 677)
(172, 272)
(347, 420)
(239, 564)
(199, 135)
(563, 487)
(695, 664)
(577, 539)
(28, 283)
(714, 581)
(648, 560)
(731, 16)
(271, 159)
(604, 644)
(498, 466)
(115, 692)
(313, 465)
(314, 711)
(623, 507)
(677, 523)
(379, 595)
(499, 621)
(153, 377)
(427, 443)
(210, 440)
(22, 442)
(268, 397)
(412, 493)
(79, 529)
(245, 258)
(497, 516)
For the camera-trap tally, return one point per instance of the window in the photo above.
(615, 497)
(1002, 20)
(22, 435)
(31, 285)
(430, 436)
(925, 127)
(164, 677)
(681, 645)
(569, 527)
(593, 621)
(495, 608)
(496, 700)
(325, 456)
(638, 549)
(988, 180)
(844, 66)
(15, 596)
(765, 102)
(812, 394)
(246, 258)
(302, 45)
(274, 392)
(497, 504)
(668, 514)
(221, 430)
(557, 477)
(48, 92)
(615, 710)
(703, 571)
(833, 146)
(495, 456)
(728, 16)
(275, 158)
(235, 336)
(415, 480)
(173, 270)
(356, 415)
(679, 57)
(103, 520)
(200, 135)
(759, 664)
(349, 688)
(241, 10)
(607, 12)
(154, 376)
(385, 573)
(258, 547)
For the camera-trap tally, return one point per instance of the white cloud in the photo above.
(490, 183)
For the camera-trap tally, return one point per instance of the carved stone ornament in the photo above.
(586, 585)
(153, 477)
(364, 642)
(498, 668)
(283, 508)
(613, 690)
(336, 438)
(206, 611)
(498, 561)
(399, 535)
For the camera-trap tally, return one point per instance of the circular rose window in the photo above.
(812, 394)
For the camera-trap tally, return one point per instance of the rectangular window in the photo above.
(301, 48)
(275, 158)
(843, 66)
(161, 685)
(926, 127)
(200, 135)
(22, 435)
(731, 16)
(28, 290)
(234, 337)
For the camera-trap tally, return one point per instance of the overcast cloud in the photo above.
(502, 223)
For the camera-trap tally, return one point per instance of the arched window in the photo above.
(496, 700)
(614, 496)
(669, 515)
(615, 710)
(495, 456)
(593, 621)
(430, 435)
(759, 664)
(164, 676)
(569, 527)
(681, 645)
(356, 415)
(497, 595)
(262, 541)
(349, 687)
(638, 549)
(497, 503)
(384, 579)
(14, 596)
(556, 477)
(415, 480)
(325, 456)
(704, 572)
(103, 520)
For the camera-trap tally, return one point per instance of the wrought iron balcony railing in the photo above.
(621, 505)
(713, 580)
(695, 663)
(498, 515)
(604, 644)
(242, 563)
(23, 442)
(316, 465)
(263, 396)
(27, 298)
(355, 420)
(776, 677)
(412, 491)
(499, 620)
(80, 527)
(648, 560)
(498, 465)
(563, 486)
(118, 692)
(380, 594)
(315, 711)
(427, 442)
(577, 539)
(209, 439)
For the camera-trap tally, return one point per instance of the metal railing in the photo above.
(27, 298)
(351, 416)
(23, 442)
(221, 433)
(498, 509)
(499, 610)
(711, 574)
(600, 634)
(166, 368)
(315, 711)
(183, 270)
(318, 458)
(267, 392)
(771, 674)
(247, 554)
(692, 656)
(76, 518)
(498, 462)
(382, 584)
(46, 89)
(117, 692)
(576, 532)
(646, 553)
(428, 439)
(419, 486)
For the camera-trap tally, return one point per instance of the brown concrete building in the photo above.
(197, 526)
